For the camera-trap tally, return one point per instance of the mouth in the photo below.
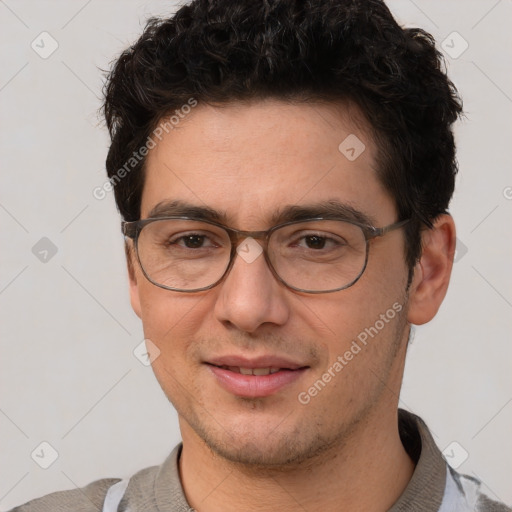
(253, 371)
(253, 379)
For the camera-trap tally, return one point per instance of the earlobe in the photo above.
(134, 288)
(433, 270)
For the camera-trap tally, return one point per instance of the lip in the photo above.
(267, 361)
(255, 386)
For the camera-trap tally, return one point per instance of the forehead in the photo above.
(249, 160)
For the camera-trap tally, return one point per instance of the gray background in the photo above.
(68, 375)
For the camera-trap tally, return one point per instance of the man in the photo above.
(283, 172)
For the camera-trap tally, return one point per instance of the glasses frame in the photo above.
(133, 229)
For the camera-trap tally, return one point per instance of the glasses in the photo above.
(318, 255)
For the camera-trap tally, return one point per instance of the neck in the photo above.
(368, 471)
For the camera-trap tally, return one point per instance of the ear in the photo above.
(132, 276)
(433, 270)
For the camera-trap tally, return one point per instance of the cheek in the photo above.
(385, 278)
(171, 322)
(169, 318)
(342, 316)
(363, 323)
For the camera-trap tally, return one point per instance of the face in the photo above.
(248, 162)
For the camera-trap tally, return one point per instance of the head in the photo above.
(243, 110)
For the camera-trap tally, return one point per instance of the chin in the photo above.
(284, 452)
(269, 443)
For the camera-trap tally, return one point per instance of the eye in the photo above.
(317, 242)
(192, 241)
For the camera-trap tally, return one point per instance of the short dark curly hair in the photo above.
(220, 51)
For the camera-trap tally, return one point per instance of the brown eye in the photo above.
(315, 241)
(193, 241)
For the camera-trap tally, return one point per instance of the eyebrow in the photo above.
(178, 208)
(326, 209)
(289, 213)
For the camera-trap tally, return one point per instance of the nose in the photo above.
(250, 296)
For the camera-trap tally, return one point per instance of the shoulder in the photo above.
(472, 495)
(86, 499)
(435, 485)
(91, 498)
(149, 489)
(485, 504)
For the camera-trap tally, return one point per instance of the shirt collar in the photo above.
(423, 493)
(426, 488)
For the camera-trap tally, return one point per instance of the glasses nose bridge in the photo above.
(238, 235)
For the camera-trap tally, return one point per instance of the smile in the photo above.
(255, 382)
(251, 371)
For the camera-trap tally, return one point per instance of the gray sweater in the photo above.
(434, 486)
